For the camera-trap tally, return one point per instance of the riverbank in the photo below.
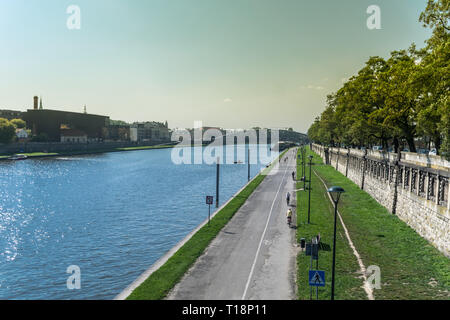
(34, 155)
(157, 281)
(410, 267)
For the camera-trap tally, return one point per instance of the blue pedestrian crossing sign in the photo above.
(316, 278)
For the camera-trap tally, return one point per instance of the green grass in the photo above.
(145, 148)
(347, 285)
(411, 268)
(32, 154)
(40, 154)
(159, 283)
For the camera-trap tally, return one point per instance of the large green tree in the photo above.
(7, 131)
(396, 100)
(19, 123)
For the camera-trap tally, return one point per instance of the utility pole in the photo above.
(217, 181)
(304, 169)
(309, 189)
(248, 162)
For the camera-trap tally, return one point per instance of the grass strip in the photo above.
(145, 148)
(411, 268)
(348, 284)
(160, 282)
(40, 154)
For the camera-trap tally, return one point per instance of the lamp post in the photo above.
(304, 168)
(217, 181)
(301, 153)
(335, 193)
(309, 188)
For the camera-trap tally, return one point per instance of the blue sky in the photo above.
(234, 63)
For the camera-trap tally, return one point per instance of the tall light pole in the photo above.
(335, 193)
(309, 188)
(248, 165)
(217, 181)
(304, 168)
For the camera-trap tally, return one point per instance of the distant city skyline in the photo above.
(232, 65)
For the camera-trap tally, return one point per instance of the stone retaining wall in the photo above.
(413, 186)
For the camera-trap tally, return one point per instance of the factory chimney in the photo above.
(36, 102)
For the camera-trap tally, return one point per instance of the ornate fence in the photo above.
(415, 187)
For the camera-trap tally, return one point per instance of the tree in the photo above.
(436, 15)
(19, 123)
(396, 100)
(444, 126)
(118, 123)
(400, 98)
(7, 131)
(313, 131)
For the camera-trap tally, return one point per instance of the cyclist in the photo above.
(289, 216)
(288, 197)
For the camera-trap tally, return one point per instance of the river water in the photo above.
(112, 215)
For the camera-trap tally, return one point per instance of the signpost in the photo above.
(316, 278)
(209, 202)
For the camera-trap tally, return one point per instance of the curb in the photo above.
(161, 261)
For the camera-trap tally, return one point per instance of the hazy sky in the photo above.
(229, 63)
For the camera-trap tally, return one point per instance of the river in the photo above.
(112, 215)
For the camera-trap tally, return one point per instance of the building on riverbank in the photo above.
(73, 136)
(150, 132)
(118, 132)
(11, 114)
(52, 122)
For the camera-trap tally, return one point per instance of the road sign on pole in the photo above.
(316, 278)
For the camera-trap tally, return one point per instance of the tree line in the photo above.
(8, 129)
(396, 102)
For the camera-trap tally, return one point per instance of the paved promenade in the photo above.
(253, 257)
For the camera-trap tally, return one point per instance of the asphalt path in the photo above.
(253, 257)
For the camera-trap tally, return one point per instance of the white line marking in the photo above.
(366, 286)
(262, 237)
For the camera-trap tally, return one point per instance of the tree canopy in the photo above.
(7, 130)
(19, 123)
(395, 101)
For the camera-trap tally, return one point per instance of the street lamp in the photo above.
(309, 188)
(335, 193)
(304, 168)
(304, 162)
(301, 152)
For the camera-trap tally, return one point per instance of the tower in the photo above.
(40, 105)
(35, 102)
